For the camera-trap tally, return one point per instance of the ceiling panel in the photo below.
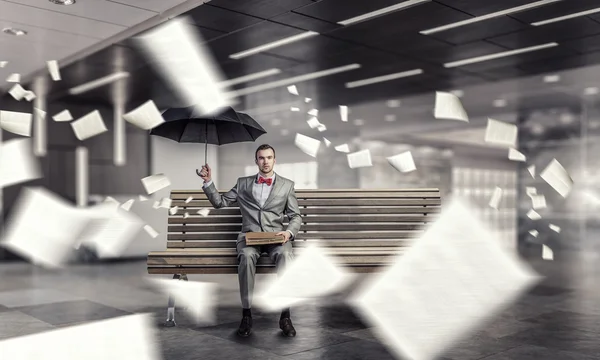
(411, 44)
(47, 19)
(261, 8)
(305, 22)
(312, 49)
(479, 7)
(256, 35)
(480, 30)
(584, 45)
(153, 5)
(561, 31)
(398, 23)
(554, 10)
(562, 63)
(105, 11)
(220, 19)
(339, 10)
(453, 53)
(255, 63)
(37, 35)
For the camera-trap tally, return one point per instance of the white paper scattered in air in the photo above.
(538, 202)
(448, 106)
(173, 210)
(360, 159)
(534, 233)
(343, 148)
(89, 125)
(29, 95)
(321, 127)
(313, 122)
(203, 212)
(186, 215)
(447, 284)
(18, 163)
(344, 113)
(307, 100)
(307, 145)
(156, 205)
(3, 64)
(13, 78)
(533, 215)
(53, 69)
(17, 92)
(530, 191)
(558, 178)
(39, 113)
(554, 228)
(292, 89)
(165, 202)
(16, 122)
(200, 299)
(294, 109)
(403, 162)
(501, 133)
(327, 142)
(154, 183)
(547, 253)
(142, 198)
(531, 170)
(64, 115)
(496, 198)
(313, 112)
(146, 116)
(127, 204)
(125, 337)
(516, 155)
(150, 230)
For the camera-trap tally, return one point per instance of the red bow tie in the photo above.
(262, 180)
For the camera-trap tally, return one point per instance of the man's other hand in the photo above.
(205, 173)
(285, 234)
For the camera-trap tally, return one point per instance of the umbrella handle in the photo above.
(198, 173)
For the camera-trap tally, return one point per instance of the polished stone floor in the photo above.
(560, 319)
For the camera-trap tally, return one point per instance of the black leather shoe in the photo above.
(286, 326)
(245, 327)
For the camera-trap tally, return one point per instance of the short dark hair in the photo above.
(263, 147)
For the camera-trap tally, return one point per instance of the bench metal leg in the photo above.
(171, 305)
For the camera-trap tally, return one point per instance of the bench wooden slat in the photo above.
(260, 269)
(341, 260)
(339, 195)
(306, 227)
(323, 210)
(301, 235)
(307, 219)
(296, 244)
(336, 202)
(232, 252)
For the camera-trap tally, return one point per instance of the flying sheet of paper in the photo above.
(29, 95)
(531, 170)
(150, 230)
(89, 125)
(17, 92)
(313, 122)
(402, 162)
(199, 298)
(43, 228)
(533, 215)
(530, 191)
(203, 212)
(183, 59)
(554, 228)
(146, 116)
(53, 70)
(110, 231)
(501, 133)
(534, 233)
(327, 142)
(312, 274)
(344, 113)
(112, 201)
(156, 205)
(538, 202)
(448, 106)
(165, 202)
(496, 197)
(547, 253)
(39, 113)
(294, 109)
(3, 64)
(307, 145)
(18, 163)
(64, 115)
(558, 178)
(360, 159)
(452, 279)
(186, 215)
(13, 78)
(313, 112)
(515, 155)
(127, 204)
(343, 148)
(154, 183)
(292, 89)
(173, 210)
(190, 198)
(307, 100)
(142, 198)
(321, 127)
(125, 337)
(16, 122)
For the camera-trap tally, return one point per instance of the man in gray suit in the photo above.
(264, 200)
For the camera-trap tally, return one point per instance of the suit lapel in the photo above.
(277, 186)
(249, 189)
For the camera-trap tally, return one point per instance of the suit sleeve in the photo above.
(292, 211)
(217, 200)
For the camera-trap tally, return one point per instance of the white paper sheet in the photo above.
(496, 198)
(360, 159)
(343, 148)
(294, 108)
(146, 116)
(14, 78)
(190, 198)
(516, 155)
(165, 203)
(307, 100)
(89, 125)
(16, 122)
(173, 211)
(547, 253)
(142, 198)
(53, 69)
(534, 233)
(292, 89)
(558, 178)
(307, 145)
(313, 112)
(402, 162)
(150, 230)
(29, 95)
(156, 182)
(449, 107)
(186, 215)
(533, 215)
(344, 113)
(39, 113)
(18, 164)
(3, 64)
(531, 170)
(554, 228)
(530, 191)
(17, 92)
(327, 142)
(501, 133)
(538, 202)
(321, 127)
(127, 204)
(64, 115)
(203, 212)
(313, 122)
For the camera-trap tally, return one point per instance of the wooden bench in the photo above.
(362, 229)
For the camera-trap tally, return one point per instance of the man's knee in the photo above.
(282, 253)
(247, 255)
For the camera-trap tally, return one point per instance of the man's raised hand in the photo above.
(205, 173)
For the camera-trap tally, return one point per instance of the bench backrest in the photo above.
(340, 218)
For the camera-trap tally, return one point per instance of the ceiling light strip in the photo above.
(379, 79)
(98, 83)
(401, 6)
(294, 80)
(488, 16)
(566, 17)
(499, 55)
(273, 45)
(250, 77)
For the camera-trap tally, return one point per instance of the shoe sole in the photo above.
(244, 335)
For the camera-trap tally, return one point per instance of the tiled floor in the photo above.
(560, 319)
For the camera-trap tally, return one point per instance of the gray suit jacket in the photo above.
(269, 218)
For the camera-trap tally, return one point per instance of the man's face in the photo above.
(265, 159)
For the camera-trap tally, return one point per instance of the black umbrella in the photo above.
(185, 125)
